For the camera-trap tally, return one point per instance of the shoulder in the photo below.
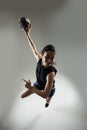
(50, 76)
(52, 69)
(39, 57)
(39, 61)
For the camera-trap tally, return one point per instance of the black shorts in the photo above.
(36, 85)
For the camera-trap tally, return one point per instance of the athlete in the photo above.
(45, 71)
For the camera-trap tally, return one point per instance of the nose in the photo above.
(49, 61)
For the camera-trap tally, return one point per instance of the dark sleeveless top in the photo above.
(41, 73)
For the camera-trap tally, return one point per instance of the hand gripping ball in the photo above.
(24, 22)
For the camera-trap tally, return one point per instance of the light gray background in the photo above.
(62, 23)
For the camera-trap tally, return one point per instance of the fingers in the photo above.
(27, 29)
(27, 83)
(24, 80)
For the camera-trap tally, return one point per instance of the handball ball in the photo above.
(24, 23)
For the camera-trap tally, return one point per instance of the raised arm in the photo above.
(32, 45)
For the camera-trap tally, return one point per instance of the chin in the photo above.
(48, 65)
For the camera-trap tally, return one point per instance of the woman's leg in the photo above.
(48, 99)
(26, 93)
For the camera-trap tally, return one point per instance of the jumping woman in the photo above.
(45, 71)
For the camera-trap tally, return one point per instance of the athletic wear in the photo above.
(41, 74)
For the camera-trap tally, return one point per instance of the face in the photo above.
(47, 58)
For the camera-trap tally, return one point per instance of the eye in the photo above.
(52, 58)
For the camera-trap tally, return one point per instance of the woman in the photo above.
(45, 71)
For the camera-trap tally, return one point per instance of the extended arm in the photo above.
(32, 45)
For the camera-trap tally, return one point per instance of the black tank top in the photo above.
(41, 73)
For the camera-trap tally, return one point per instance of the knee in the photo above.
(22, 95)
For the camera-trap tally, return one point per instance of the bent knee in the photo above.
(22, 96)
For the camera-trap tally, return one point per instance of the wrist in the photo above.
(30, 88)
